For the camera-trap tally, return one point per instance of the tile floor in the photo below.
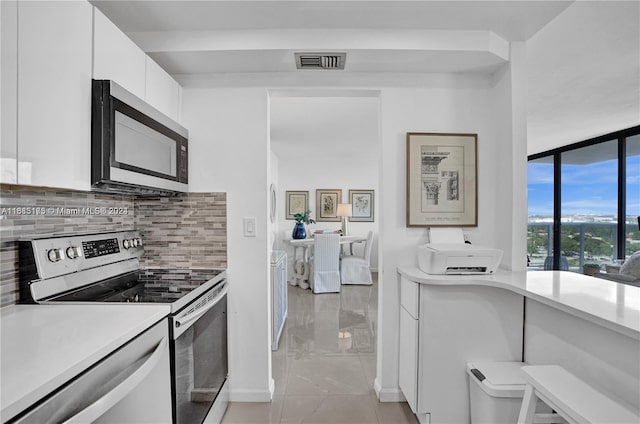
(325, 364)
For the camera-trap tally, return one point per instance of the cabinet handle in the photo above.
(106, 402)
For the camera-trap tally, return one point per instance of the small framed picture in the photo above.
(297, 202)
(442, 188)
(361, 205)
(327, 205)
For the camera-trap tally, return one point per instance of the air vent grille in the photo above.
(320, 60)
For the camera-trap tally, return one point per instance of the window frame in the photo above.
(621, 137)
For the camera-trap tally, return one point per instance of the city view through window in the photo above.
(589, 206)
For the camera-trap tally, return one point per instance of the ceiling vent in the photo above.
(320, 60)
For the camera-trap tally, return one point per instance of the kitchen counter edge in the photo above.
(609, 304)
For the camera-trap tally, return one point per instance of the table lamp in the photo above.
(344, 210)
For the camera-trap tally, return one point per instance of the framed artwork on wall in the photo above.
(442, 188)
(297, 202)
(327, 205)
(362, 205)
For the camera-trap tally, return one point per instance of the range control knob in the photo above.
(55, 255)
(127, 244)
(137, 242)
(73, 252)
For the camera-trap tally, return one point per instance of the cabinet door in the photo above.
(54, 93)
(116, 57)
(408, 358)
(461, 324)
(163, 92)
(9, 92)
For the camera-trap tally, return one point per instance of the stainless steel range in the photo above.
(106, 268)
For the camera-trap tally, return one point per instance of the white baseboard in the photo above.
(251, 395)
(389, 394)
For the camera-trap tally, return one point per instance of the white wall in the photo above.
(464, 105)
(584, 74)
(509, 119)
(229, 151)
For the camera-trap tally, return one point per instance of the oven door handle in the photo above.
(195, 315)
(106, 402)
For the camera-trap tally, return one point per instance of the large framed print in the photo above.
(442, 186)
(327, 205)
(297, 202)
(361, 205)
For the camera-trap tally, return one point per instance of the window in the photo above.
(632, 227)
(540, 229)
(589, 205)
(584, 203)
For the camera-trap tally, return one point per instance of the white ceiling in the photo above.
(222, 43)
(258, 38)
(583, 70)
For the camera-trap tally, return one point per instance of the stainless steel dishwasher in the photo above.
(130, 386)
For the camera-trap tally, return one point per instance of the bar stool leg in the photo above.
(528, 408)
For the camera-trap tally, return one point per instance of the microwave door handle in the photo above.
(106, 402)
(191, 317)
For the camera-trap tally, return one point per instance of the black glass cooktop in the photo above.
(145, 285)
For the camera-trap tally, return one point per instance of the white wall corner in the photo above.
(519, 156)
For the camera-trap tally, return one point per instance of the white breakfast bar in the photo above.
(589, 326)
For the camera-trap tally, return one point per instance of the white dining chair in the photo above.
(325, 266)
(356, 269)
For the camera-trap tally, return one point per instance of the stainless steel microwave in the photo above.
(135, 149)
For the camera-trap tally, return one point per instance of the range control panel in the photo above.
(95, 248)
(63, 255)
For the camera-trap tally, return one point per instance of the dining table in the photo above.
(301, 255)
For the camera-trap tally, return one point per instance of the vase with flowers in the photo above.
(302, 218)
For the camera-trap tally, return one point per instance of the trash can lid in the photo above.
(498, 379)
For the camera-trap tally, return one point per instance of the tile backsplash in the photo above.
(187, 231)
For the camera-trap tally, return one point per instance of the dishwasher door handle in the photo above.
(106, 402)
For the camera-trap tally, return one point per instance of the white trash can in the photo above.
(495, 392)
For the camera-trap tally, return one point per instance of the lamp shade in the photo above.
(344, 209)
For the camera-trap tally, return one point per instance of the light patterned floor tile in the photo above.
(329, 410)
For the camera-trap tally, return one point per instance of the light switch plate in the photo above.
(249, 226)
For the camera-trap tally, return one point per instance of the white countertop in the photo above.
(609, 304)
(43, 346)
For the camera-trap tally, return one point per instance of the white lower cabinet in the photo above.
(453, 325)
(408, 380)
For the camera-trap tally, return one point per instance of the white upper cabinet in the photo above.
(163, 92)
(54, 93)
(50, 52)
(8, 92)
(116, 57)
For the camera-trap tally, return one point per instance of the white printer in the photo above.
(458, 258)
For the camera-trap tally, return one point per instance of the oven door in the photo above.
(199, 353)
